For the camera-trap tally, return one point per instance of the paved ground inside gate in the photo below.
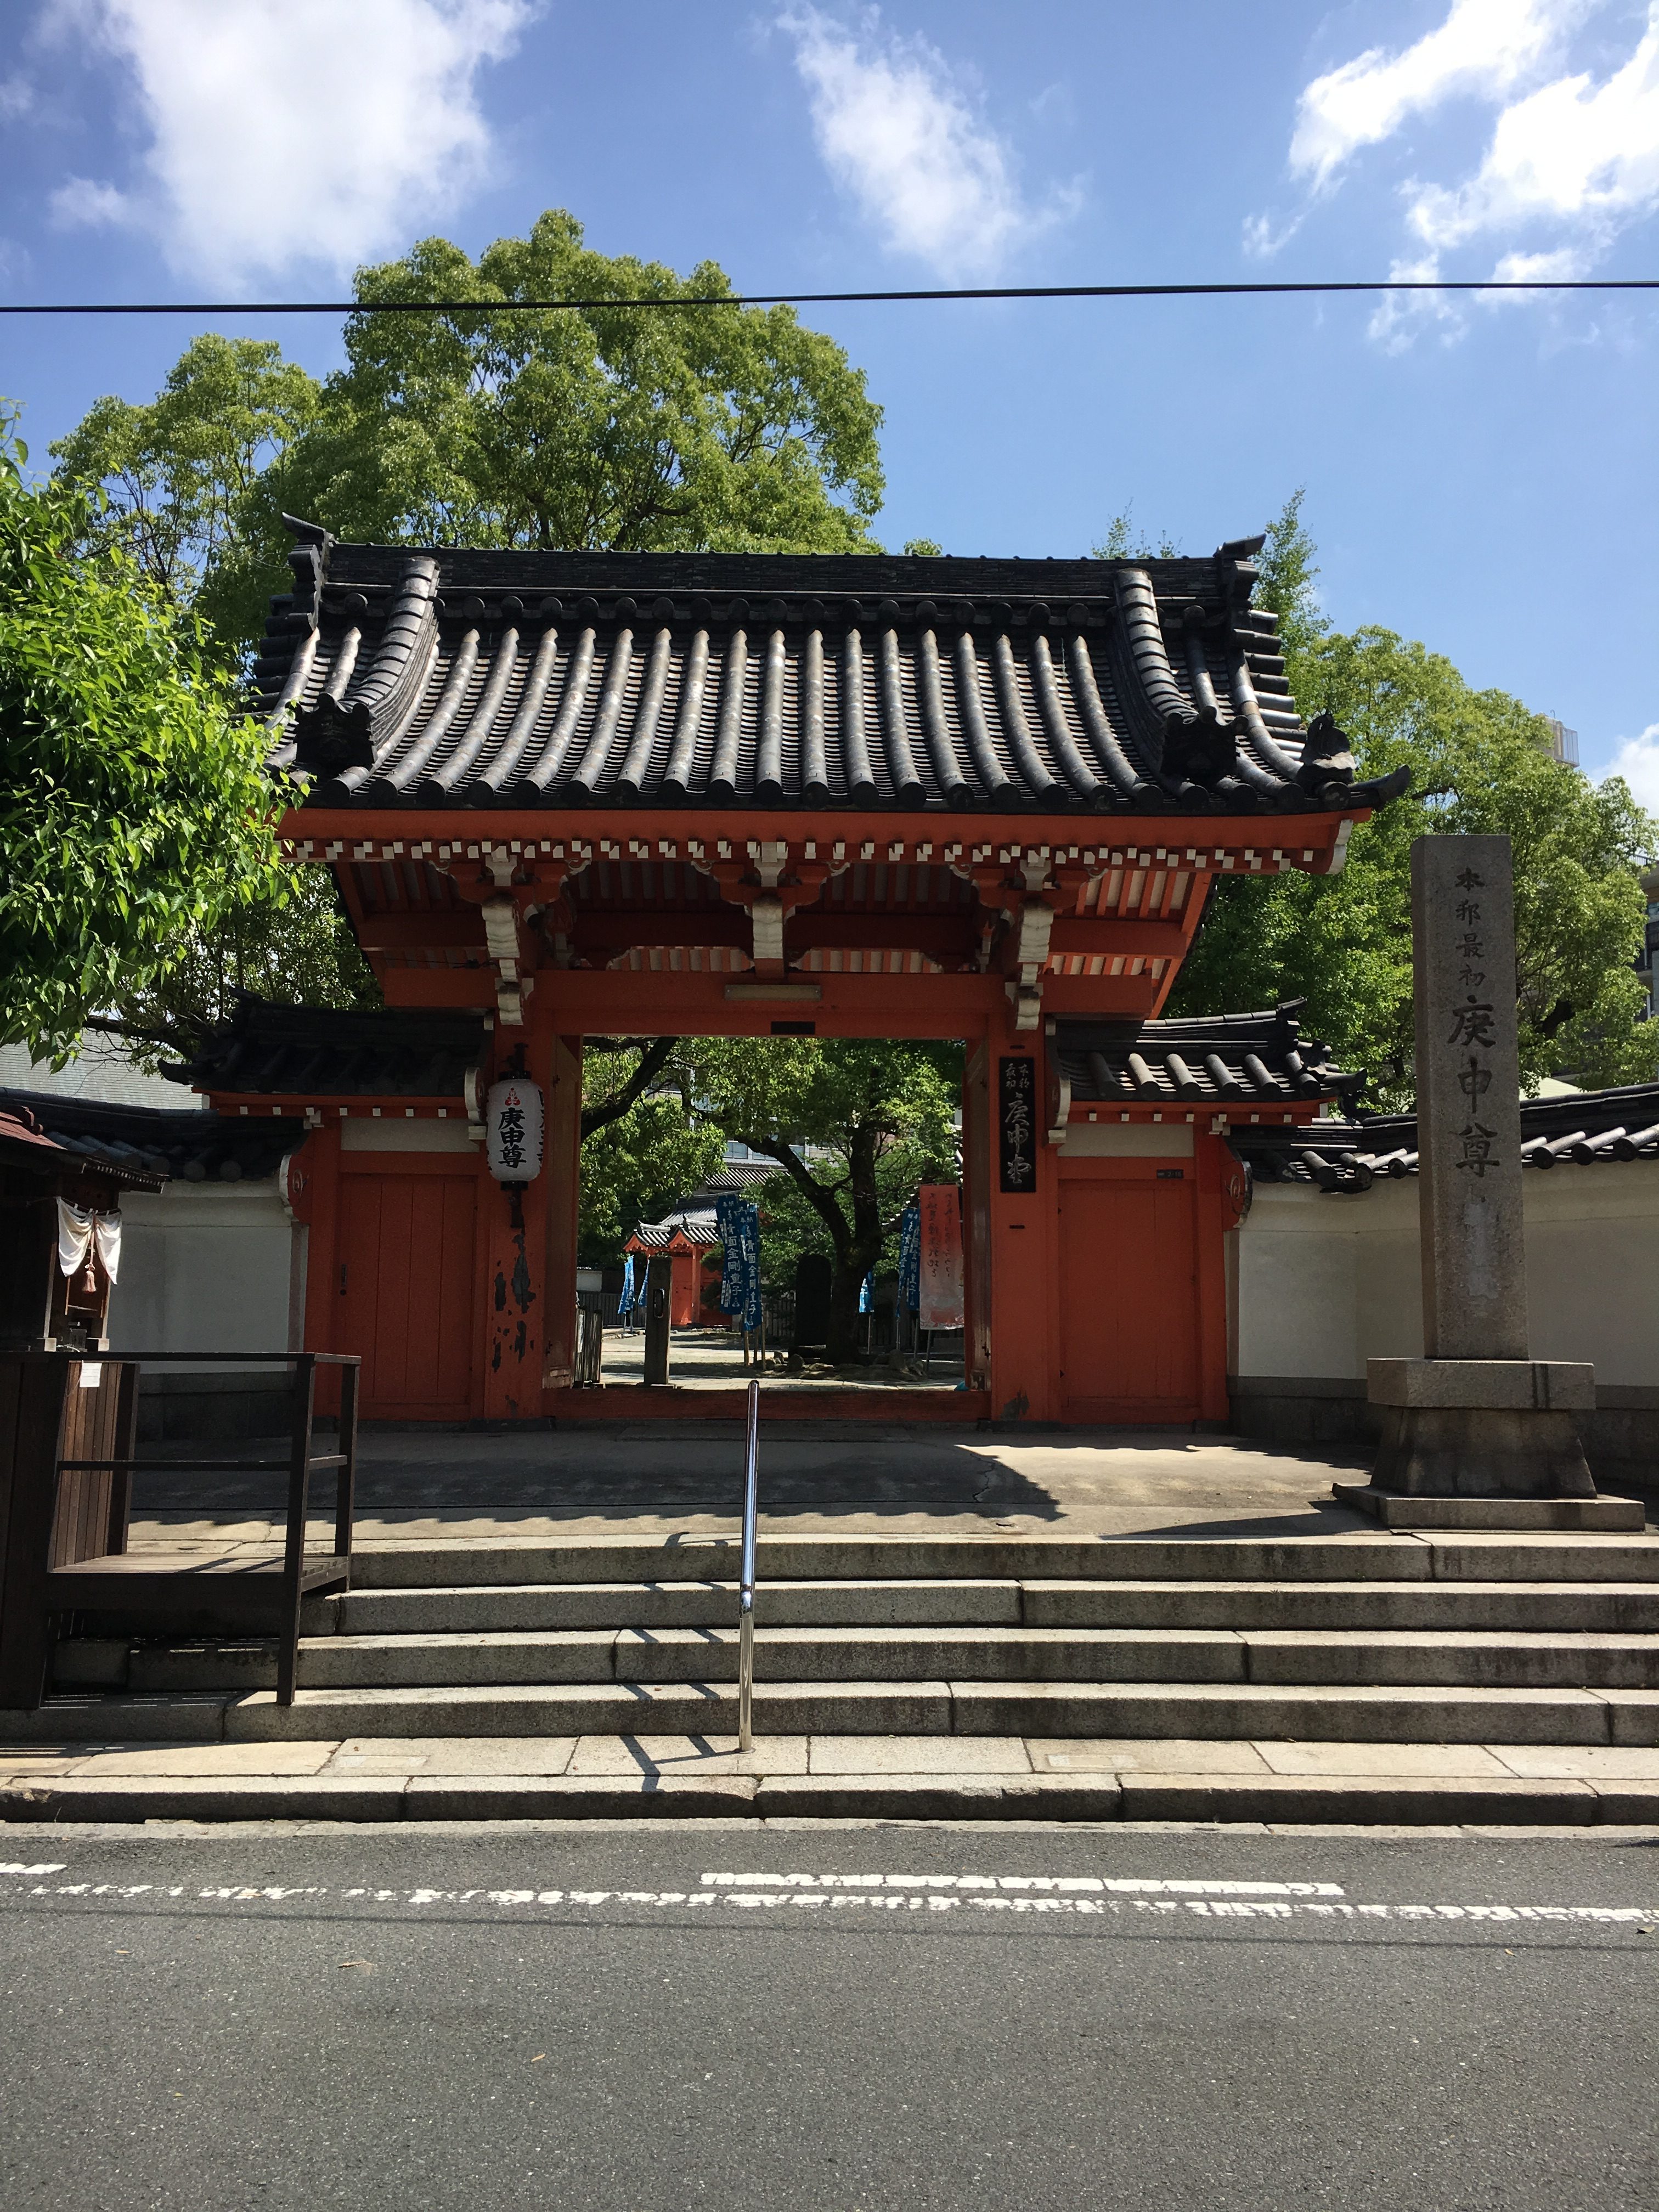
(712, 1359)
(656, 1478)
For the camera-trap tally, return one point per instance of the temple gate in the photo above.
(729, 794)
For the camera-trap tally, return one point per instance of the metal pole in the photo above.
(746, 1586)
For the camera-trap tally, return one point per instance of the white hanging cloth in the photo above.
(107, 1229)
(73, 1237)
(78, 1230)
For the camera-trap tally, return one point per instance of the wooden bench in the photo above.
(68, 1451)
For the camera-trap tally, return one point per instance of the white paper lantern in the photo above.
(512, 1125)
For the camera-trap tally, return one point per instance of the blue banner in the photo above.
(625, 1303)
(910, 1258)
(728, 1222)
(751, 1272)
(867, 1293)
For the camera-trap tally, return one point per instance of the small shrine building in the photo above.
(570, 795)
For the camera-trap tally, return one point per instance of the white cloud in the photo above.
(1571, 153)
(899, 134)
(17, 97)
(80, 201)
(288, 131)
(1402, 317)
(1569, 164)
(1483, 46)
(1638, 761)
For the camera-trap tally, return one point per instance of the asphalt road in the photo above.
(593, 2018)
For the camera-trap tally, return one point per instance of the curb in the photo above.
(1430, 1802)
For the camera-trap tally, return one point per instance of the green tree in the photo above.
(854, 1125)
(1125, 541)
(725, 429)
(293, 947)
(176, 474)
(135, 814)
(1481, 766)
(642, 1150)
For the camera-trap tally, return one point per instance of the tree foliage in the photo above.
(878, 1119)
(730, 429)
(643, 1152)
(178, 472)
(136, 815)
(1482, 767)
(294, 948)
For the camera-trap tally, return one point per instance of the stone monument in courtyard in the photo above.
(1477, 1433)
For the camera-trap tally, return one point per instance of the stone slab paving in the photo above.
(880, 1776)
(661, 1479)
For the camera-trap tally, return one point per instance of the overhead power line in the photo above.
(675, 302)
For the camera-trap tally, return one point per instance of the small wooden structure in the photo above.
(51, 1198)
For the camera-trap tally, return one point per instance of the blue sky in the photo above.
(1484, 475)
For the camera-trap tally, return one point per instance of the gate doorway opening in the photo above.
(794, 1255)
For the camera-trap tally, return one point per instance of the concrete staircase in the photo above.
(1366, 1638)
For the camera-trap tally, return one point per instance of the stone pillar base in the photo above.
(1481, 1428)
(1396, 1510)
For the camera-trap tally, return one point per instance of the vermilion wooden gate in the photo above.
(405, 1281)
(1128, 1270)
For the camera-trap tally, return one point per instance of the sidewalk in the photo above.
(837, 1778)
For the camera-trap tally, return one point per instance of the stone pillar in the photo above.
(658, 1284)
(1468, 1067)
(1478, 1434)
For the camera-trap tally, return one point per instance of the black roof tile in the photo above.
(1217, 1061)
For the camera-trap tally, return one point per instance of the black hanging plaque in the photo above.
(1016, 1135)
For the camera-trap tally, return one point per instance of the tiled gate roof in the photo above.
(512, 679)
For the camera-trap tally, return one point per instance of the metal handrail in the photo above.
(746, 1586)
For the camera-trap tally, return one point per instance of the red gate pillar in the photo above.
(518, 1310)
(1023, 1263)
(562, 1171)
(976, 1215)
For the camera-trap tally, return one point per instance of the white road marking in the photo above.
(1082, 1896)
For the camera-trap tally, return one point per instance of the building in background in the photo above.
(1563, 742)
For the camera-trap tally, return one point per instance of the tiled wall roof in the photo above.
(319, 1052)
(1581, 1131)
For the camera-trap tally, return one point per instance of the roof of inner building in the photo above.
(1212, 1060)
(465, 678)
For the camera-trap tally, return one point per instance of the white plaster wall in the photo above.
(204, 1267)
(1326, 1283)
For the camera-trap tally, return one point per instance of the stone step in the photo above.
(1189, 1712)
(671, 1605)
(1553, 1607)
(1451, 1658)
(1363, 1555)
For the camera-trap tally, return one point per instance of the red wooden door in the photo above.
(1128, 1286)
(406, 1284)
